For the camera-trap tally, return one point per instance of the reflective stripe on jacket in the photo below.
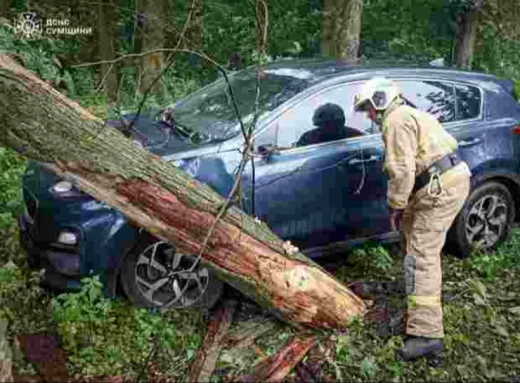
(414, 140)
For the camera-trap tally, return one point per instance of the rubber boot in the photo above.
(417, 346)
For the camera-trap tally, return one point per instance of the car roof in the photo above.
(320, 70)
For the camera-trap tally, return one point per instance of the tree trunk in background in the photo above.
(194, 31)
(109, 29)
(341, 28)
(260, 25)
(6, 11)
(167, 202)
(467, 28)
(149, 35)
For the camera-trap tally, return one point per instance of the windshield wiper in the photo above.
(166, 117)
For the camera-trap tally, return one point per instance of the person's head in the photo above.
(329, 117)
(375, 96)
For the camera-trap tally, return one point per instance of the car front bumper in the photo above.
(49, 261)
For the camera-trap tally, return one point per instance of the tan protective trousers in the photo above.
(426, 221)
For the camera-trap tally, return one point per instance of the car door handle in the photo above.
(361, 160)
(470, 141)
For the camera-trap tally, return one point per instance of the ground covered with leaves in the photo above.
(102, 337)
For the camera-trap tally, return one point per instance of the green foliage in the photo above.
(12, 167)
(106, 337)
(370, 260)
(491, 265)
(407, 30)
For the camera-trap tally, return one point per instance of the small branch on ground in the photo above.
(204, 364)
(276, 368)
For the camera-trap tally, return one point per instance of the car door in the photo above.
(309, 194)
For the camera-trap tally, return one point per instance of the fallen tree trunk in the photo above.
(42, 124)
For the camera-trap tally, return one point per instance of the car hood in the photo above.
(159, 138)
(40, 180)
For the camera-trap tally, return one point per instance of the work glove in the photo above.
(396, 218)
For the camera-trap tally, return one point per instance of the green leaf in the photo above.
(369, 366)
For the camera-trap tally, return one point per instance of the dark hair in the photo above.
(329, 114)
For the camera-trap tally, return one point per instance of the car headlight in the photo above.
(62, 187)
(68, 238)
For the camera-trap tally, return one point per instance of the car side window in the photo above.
(324, 117)
(434, 97)
(468, 102)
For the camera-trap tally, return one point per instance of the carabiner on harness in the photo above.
(435, 178)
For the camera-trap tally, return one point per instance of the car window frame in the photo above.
(480, 117)
(266, 122)
(326, 88)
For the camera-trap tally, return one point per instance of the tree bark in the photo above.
(261, 26)
(149, 35)
(42, 124)
(341, 28)
(109, 44)
(194, 31)
(467, 28)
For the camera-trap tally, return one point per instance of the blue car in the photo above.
(322, 190)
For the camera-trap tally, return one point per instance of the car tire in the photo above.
(479, 224)
(133, 282)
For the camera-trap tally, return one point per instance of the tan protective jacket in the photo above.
(414, 140)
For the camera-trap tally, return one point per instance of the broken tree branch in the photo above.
(204, 364)
(276, 368)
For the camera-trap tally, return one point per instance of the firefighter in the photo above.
(428, 185)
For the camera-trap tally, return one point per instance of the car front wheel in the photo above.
(154, 275)
(485, 220)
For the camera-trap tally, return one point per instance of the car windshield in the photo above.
(210, 111)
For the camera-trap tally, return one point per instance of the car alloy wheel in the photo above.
(487, 221)
(484, 221)
(166, 278)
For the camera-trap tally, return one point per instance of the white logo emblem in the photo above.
(28, 26)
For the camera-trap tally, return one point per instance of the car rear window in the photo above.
(469, 100)
(434, 97)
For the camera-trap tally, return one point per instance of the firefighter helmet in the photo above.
(379, 91)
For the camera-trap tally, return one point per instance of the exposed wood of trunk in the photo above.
(109, 44)
(467, 28)
(276, 368)
(204, 364)
(341, 28)
(44, 125)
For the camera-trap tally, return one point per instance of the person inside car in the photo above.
(330, 122)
